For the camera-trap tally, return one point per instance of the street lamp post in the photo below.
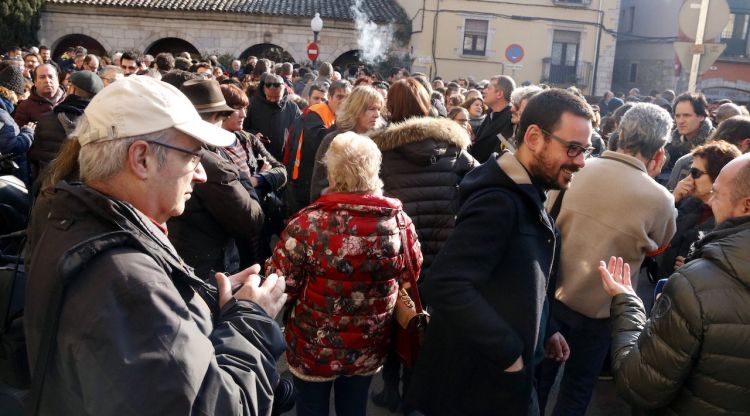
(316, 24)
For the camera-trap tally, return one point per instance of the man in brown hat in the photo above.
(221, 210)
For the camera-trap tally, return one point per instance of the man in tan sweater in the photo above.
(614, 206)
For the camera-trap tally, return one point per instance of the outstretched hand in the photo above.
(616, 276)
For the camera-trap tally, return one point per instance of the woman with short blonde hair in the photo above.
(356, 104)
(353, 165)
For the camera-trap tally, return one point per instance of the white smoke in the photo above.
(373, 40)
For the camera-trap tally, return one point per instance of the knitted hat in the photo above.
(87, 81)
(12, 78)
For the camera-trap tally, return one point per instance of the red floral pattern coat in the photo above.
(342, 259)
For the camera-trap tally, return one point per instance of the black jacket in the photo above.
(272, 120)
(138, 333)
(424, 159)
(487, 140)
(487, 288)
(53, 129)
(688, 232)
(315, 130)
(693, 356)
(219, 211)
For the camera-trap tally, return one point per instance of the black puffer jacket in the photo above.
(693, 356)
(424, 159)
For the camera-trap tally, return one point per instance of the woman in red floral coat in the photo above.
(343, 259)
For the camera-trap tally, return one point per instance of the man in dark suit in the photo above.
(496, 128)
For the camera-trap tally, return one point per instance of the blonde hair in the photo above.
(353, 163)
(10, 95)
(361, 98)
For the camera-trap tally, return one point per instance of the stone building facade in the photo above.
(204, 27)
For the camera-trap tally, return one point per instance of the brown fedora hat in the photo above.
(206, 96)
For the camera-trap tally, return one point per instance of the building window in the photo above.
(735, 35)
(633, 72)
(627, 17)
(475, 37)
(564, 59)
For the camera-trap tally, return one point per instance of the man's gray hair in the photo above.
(524, 93)
(99, 161)
(645, 129)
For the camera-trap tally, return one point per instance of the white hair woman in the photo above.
(343, 258)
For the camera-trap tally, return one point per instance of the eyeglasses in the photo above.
(273, 85)
(196, 158)
(696, 173)
(574, 149)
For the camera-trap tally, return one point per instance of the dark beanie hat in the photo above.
(12, 78)
(87, 81)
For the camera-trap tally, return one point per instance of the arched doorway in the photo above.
(71, 41)
(174, 46)
(346, 59)
(269, 51)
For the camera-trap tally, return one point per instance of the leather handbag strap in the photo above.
(401, 220)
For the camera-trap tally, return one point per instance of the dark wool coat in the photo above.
(487, 288)
(424, 159)
(693, 356)
(343, 259)
(487, 140)
(138, 333)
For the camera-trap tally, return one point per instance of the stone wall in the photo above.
(220, 33)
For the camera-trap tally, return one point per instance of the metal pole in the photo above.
(698, 43)
(315, 40)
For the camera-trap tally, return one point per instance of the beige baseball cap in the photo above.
(140, 105)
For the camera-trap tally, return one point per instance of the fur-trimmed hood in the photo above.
(419, 129)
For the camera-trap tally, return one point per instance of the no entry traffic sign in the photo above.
(312, 51)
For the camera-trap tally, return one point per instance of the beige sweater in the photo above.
(612, 208)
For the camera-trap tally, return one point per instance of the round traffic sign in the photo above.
(514, 53)
(313, 51)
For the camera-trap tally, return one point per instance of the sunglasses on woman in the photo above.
(696, 173)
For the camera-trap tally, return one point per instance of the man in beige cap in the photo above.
(116, 322)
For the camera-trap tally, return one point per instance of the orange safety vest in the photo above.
(328, 118)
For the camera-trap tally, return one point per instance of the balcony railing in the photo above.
(565, 76)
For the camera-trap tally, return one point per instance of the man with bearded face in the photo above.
(636, 220)
(488, 299)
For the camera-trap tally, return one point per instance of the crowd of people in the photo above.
(176, 207)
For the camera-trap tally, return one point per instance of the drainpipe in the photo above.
(596, 49)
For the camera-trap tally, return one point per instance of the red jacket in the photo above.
(342, 257)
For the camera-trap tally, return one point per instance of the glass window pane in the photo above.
(480, 43)
(557, 53)
(571, 54)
